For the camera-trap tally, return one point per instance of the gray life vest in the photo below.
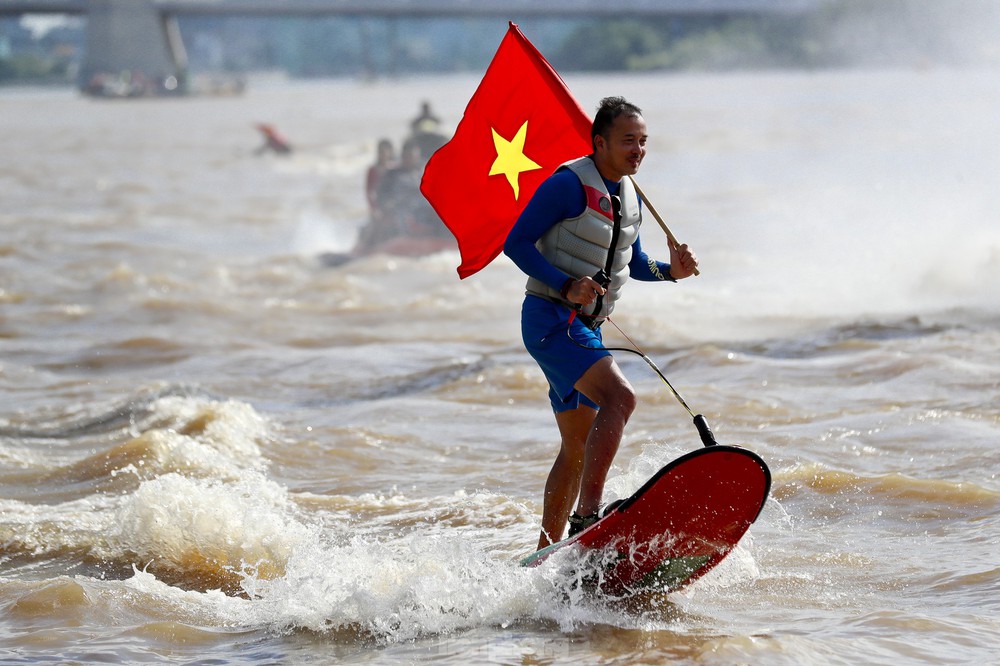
(580, 246)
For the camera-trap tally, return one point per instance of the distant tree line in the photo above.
(51, 58)
(839, 34)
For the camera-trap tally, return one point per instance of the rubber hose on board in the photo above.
(707, 437)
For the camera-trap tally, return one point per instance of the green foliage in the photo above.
(608, 46)
(693, 44)
(29, 67)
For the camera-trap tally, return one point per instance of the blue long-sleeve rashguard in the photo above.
(561, 197)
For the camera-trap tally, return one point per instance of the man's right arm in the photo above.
(559, 197)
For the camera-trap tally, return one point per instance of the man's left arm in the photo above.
(645, 268)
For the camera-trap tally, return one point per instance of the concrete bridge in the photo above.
(143, 35)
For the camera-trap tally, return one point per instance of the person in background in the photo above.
(399, 191)
(425, 121)
(385, 159)
(396, 194)
(578, 242)
(425, 132)
(273, 140)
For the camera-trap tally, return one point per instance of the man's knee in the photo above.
(572, 449)
(633, 400)
(625, 399)
(617, 396)
(574, 428)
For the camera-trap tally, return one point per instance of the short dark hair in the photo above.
(608, 110)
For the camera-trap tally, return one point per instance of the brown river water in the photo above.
(215, 449)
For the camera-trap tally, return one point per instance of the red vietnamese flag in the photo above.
(521, 123)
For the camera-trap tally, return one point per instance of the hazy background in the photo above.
(835, 33)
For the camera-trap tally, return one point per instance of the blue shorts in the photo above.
(543, 328)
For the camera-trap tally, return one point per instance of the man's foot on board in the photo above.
(578, 523)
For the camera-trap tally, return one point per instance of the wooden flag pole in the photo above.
(649, 206)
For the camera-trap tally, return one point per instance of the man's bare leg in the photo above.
(605, 384)
(563, 483)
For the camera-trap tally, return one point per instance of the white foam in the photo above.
(189, 523)
(231, 428)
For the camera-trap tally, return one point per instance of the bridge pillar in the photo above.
(131, 43)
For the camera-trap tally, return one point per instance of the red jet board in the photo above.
(675, 528)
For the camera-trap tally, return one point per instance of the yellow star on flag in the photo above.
(511, 160)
